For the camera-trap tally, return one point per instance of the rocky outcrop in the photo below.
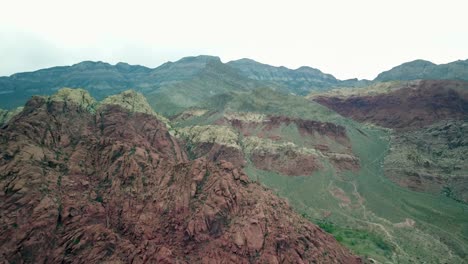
(216, 143)
(431, 159)
(222, 135)
(133, 102)
(75, 96)
(266, 126)
(285, 158)
(116, 187)
(6, 115)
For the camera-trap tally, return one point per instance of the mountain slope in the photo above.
(426, 70)
(94, 182)
(208, 77)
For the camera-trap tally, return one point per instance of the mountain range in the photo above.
(238, 162)
(200, 76)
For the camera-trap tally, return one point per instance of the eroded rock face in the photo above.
(116, 187)
(285, 158)
(431, 159)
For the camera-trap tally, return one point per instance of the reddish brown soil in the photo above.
(216, 152)
(406, 108)
(289, 163)
(339, 194)
(115, 187)
(309, 127)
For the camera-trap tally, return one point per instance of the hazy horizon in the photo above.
(356, 39)
(224, 61)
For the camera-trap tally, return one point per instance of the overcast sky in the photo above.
(345, 38)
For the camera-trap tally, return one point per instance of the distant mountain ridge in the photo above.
(299, 81)
(422, 69)
(99, 78)
(177, 85)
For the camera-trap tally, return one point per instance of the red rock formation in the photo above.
(295, 163)
(217, 152)
(115, 187)
(406, 108)
(304, 126)
(289, 163)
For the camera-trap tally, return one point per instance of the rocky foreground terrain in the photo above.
(89, 182)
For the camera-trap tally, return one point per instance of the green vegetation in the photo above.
(267, 101)
(215, 78)
(361, 241)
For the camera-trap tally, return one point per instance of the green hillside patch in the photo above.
(361, 242)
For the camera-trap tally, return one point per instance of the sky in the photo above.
(349, 39)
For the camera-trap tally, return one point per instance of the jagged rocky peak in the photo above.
(78, 96)
(130, 100)
(134, 102)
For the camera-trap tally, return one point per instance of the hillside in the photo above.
(198, 78)
(97, 182)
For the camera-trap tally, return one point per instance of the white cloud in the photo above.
(346, 38)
